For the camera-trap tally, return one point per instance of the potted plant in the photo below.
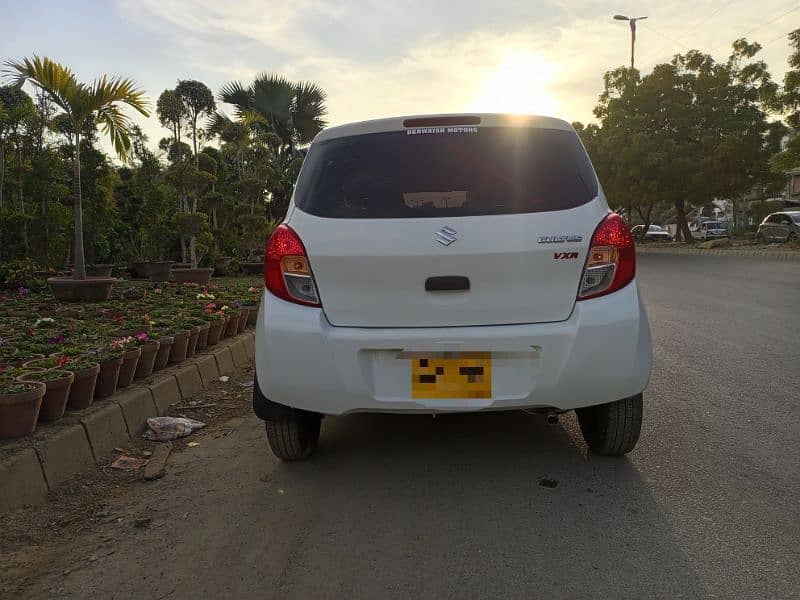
(58, 383)
(109, 358)
(99, 270)
(101, 103)
(11, 356)
(194, 225)
(180, 346)
(140, 269)
(202, 335)
(194, 324)
(165, 343)
(244, 313)
(20, 402)
(233, 320)
(251, 302)
(160, 271)
(130, 360)
(216, 323)
(222, 266)
(86, 371)
(147, 360)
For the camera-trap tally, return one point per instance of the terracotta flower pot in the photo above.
(252, 314)
(201, 276)
(99, 270)
(140, 270)
(81, 393)
(179, 347)
(191, 347)
(130, 362)
(253, 268)
(202, 336)
(160, 271)
(222, 265)
(108, 378)
(94, 289)
(233, 324)
(19, 412)
(56, 394)
(215, 328)
(147, 360)
(164, 350)
(243, 314)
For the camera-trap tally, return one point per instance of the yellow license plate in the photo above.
(452, 375)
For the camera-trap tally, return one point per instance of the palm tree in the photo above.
(293, 111)
(101, 102)
(285, 116)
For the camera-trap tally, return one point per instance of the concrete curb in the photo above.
(31, 467)
(785, 255)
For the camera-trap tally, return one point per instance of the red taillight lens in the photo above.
(287, 273)
(612, 259)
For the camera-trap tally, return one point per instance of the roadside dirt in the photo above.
(35, 538)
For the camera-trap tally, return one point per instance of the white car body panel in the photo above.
(372, 272)
(600, 354)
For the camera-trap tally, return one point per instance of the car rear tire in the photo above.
(612, 429)
(295, 438)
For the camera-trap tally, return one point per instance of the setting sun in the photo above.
(519, 85)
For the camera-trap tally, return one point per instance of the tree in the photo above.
(789, 103)
(282, 116)
(15, 107)
(690, 131)
(101, 101)
(198, 100)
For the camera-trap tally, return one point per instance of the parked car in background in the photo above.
(710, 230)
(779, 227)
(654, 232)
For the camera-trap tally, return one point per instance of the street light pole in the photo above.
(632, 23)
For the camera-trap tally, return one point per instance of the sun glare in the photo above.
(518, 85)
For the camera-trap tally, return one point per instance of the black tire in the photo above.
(612, 429)
(295, 438)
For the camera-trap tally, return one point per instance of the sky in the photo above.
(378, 58)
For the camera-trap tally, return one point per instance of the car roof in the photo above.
(486, 120)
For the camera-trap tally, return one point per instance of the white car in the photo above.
(710, 230)
(444, 264)
(654, 232)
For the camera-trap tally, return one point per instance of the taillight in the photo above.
(612, 259)
(287, 273)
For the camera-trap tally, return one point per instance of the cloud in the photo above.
(376, 58)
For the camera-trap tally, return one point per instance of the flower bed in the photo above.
(83, 352)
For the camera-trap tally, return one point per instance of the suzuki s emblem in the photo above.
(446, 236)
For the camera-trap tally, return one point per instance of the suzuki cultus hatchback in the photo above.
(450, 263)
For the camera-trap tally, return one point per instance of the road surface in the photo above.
(453, 507)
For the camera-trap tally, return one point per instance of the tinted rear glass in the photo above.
(437, 172)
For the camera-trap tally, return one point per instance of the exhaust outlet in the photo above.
(552, 419)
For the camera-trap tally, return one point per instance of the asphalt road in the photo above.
(413, 507)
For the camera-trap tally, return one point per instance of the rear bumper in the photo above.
(602, 353)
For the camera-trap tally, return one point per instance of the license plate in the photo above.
(451, 375)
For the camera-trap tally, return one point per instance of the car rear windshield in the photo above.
(445, 172)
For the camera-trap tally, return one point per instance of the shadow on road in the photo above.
(455, 506)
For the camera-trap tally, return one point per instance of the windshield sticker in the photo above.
(429, 130)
